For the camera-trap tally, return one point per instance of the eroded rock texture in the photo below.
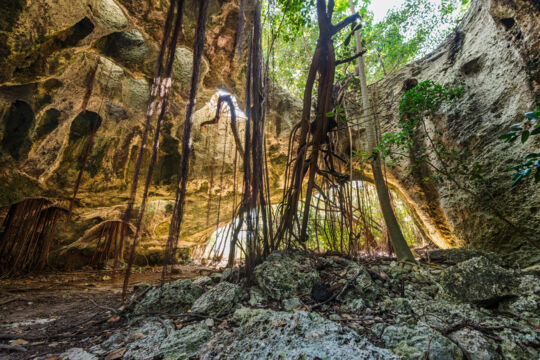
(49, 50)
(49, 53)
(494, 54)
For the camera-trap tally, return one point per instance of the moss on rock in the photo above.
(174, 297)
(286, 274)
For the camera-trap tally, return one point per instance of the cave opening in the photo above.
(316, 189)
(17, 123)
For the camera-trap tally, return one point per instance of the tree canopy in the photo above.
(406, 33)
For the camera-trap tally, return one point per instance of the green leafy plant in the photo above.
(407, 32)
(416, 143)
(524, 130)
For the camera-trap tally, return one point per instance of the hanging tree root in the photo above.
(156, 86)
(232, 110)
(323, 64)
(178, 211)
(161, 109)
(26, 239)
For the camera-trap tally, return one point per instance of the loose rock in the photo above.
(219, 300)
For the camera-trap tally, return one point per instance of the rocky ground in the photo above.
(455, 304)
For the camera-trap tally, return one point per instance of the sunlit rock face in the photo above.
(48, 50)
(494, 54)
(48, 53)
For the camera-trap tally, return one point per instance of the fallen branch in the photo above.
(167, 331)
(16, 298)
(13, 348)
(189, 314)
(337, 295)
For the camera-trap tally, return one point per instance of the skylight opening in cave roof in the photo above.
(212, 105)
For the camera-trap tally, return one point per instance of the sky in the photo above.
(381, 7)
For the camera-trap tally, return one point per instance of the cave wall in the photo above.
(494, 55)
(49, 51)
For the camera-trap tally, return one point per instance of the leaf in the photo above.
(348, 39)
(116, 354)
(525, 136)
(517, 179)
(330, 114)
(531, 115)
(18, 342)
(531, 155)
(536, 130)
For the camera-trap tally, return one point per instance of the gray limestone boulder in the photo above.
(420, 342)
(174, 297)
(108, 15)
(135, 93)
(475, 345)
(286, 274)
(458, 255)
(183, 67)
(151, 340)
(218, 301)
(77, 354)
(265, 334)
(125, 46)
(203, 281)
(479, 281)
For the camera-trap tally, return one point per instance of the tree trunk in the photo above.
(396, 236)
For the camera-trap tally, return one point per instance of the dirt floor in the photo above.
(46, 313)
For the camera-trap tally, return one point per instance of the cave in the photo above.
(48, 122)
(17, 122)
(260, 179)
(83, 125)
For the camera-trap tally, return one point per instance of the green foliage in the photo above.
(423, 101)
(532, 160)
(414, 141)
(328, 224)
(406, 33)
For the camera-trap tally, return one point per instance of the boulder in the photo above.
(203, 281)
(218, 301)
(255, 296)
(151, 340)
(363, 287)
(292, 304)
(456, 256)
(443, 312)
(475, 345)
(135, 93)
(397, 305)
(77, 354)
(231, 275)
(512, 344)
(174, 297)
(265, 334)
(125, 46)
(108, 15)
(479, 281)
(286, 274)
(420, 342)
(527, 305)
(183, 67)
(115, 112)
(186, 342)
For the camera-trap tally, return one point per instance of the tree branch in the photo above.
(344, 23)
(349, 59)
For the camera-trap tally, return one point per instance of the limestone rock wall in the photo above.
(494, 54)
(48, 52)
